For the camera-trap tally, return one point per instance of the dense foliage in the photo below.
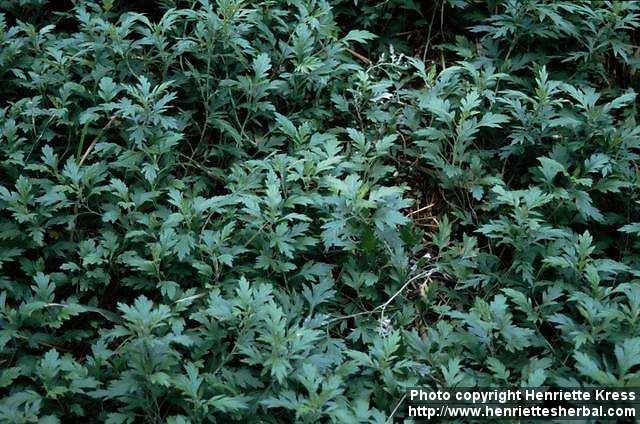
(293, 210)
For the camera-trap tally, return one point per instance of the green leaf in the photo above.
(359, 36)
(550, 168)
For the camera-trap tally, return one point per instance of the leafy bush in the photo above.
(209, 211)
(540, 172)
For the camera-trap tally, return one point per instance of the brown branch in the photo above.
(95, 140)
(359, 56)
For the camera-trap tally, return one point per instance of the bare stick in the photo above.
(396, 409)
(359, 56)
(421, 209)
(95, 140)
(385, 304)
